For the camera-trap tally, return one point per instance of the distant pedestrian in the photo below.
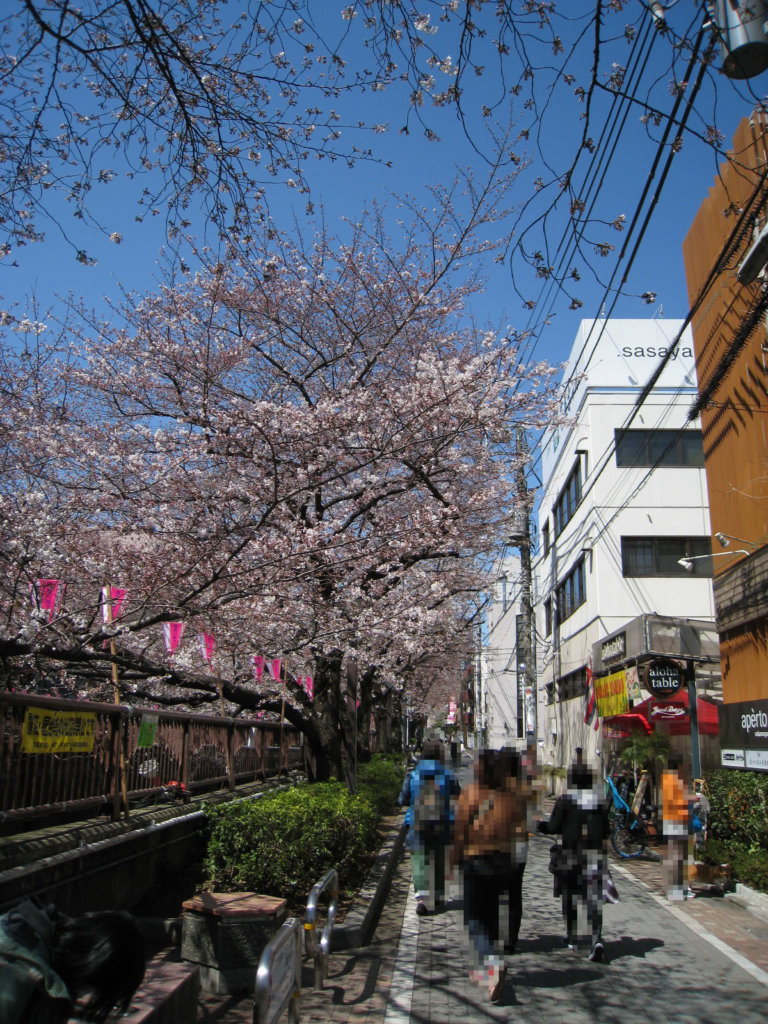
(676, 817)
(580, 816)
(427, 794)
(490, 845)
(50, 962)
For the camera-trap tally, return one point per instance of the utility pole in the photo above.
(522, 540)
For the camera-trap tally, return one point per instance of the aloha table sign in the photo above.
(663, 677)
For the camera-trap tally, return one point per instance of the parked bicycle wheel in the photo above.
(628, 842)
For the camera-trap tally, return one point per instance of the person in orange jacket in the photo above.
(676, 818)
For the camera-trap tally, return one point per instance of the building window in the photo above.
(660, 556)
(548, 616)
(573, 685)
(545, 537)
(646, 448)
(549, 691)
(569, 499)
(571, 593)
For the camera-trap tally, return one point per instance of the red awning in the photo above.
(621, 726)
(672, 714)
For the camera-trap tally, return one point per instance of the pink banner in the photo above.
(46, 594)
(275, 669)
(258, 667)
(116, 600)
(173, 632)
(207, 645)
(310, 687)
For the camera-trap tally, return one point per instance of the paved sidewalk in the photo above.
(699, 962)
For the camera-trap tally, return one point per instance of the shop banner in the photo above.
(744, 735)
(611, 693)
(47, 732)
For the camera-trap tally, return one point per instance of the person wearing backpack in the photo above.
(490, 846)
(426, 795)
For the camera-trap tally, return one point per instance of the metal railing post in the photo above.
(278, 977)
(321, 950)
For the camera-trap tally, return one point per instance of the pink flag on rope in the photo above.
(207, 645)
(275, 669)
(46, 594)
(258, 667)
(173, 632)
(310, 687)
(116, 599)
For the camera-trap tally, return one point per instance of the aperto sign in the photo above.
(744, 735)
(663, 677)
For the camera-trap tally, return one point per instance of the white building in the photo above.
(501, 661)
(624, 498)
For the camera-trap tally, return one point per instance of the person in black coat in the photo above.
(580, 816)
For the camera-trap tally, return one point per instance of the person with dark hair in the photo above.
(490, 846)
(53, 967)
(581, 816)
(427, 794)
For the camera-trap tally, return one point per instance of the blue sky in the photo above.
(49, 271)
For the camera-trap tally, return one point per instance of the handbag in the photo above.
(559, 860)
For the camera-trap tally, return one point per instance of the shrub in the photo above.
(748, 865)
(739, 808)
(380, 781)
(284, 842)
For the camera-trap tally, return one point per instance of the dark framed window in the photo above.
(571, 593)
(549, 691)
(569, 499)
(645, 448)
(545, 541)
(573, 685)
(548, 616)
(660, 556)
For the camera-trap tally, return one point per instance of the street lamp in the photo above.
(724, 540)
(687, 563)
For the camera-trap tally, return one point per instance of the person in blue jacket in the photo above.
(427, 794)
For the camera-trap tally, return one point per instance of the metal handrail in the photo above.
(321, 951)
(278, 976)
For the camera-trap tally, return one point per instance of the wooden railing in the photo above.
(60, 756)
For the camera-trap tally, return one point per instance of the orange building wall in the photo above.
(735, 421)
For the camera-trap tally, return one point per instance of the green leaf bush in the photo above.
(283, 843)
(380, 781)
(739, 807)
(738, 825)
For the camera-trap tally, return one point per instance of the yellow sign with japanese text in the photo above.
(47, 731)
(611, 693)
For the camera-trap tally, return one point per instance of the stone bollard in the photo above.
(225, 934)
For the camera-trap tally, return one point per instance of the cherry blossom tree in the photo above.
(203, 105)
(309, 454)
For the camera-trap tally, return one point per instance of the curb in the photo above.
(361, 920)
(752, 900)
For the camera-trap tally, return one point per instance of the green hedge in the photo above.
(739, 807)
(283, 843)
(738, 825)
(380, 781)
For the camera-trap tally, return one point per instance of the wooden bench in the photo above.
(224, 934)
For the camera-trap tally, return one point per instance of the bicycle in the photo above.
(631, 834)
